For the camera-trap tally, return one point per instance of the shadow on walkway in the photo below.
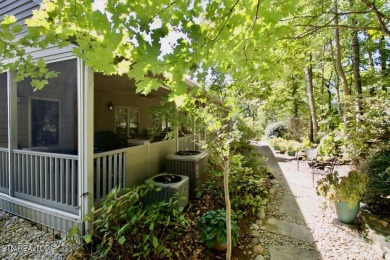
(294, 205)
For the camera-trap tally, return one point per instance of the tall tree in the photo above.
(310, 96)
(338, 59)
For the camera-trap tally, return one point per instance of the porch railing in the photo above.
(109, 172)
(4, 180)
(47, 178)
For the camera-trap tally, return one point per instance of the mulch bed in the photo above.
(188, 245)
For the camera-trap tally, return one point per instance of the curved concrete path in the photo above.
(296, 203)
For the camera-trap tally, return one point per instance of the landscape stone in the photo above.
(255, 226)
(261, 215)
(259, 222)
(290, 253)
(258, 249)
(288, 229)
(259, 257)
(255, 233)
(290, 207)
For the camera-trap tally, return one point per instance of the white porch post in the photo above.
(86, 126)
(12, 126)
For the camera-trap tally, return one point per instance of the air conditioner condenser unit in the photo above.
(191, 164)
(170, 184)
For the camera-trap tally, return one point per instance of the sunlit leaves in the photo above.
(7, 20)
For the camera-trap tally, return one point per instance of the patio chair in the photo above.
(310, 158)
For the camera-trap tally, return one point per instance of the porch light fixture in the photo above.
(110, 106)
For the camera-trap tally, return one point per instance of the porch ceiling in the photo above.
(123, 85)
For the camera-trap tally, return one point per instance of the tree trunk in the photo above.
(372, 70)
(356, 75)
(294, 96)
(309, 90)
(339, 66)
(226, 160)
(356, 71)
(337, 82)
(383, 59)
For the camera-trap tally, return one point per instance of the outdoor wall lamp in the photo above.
(110, 106)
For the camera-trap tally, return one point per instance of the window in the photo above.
(45, 122)
(126, 121)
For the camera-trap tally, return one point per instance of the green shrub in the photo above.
(330, 145)
(277, 129)
(348, 188)
(128, 226)
(377, 167)
(213, 228)
(247, 181)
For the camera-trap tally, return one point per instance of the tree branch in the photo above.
(379, 15)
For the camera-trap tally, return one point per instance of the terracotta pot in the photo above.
(219, 247)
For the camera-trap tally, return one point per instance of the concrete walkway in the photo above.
(301, 226)
(295, 203)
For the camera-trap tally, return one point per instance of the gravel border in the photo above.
(23, 239)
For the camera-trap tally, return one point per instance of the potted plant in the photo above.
(274, 143)
(292, 148)
(213, 229)
(345, 192)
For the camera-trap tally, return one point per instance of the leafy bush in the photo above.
(213, 228)
(337, 189)
(330, 145)
(276, 142)
(128, 226)
(247, 181)
(365, 136)
(377, 167)
(278, 129)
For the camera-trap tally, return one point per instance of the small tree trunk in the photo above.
(226, 160)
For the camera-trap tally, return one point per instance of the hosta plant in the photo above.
(213, 228)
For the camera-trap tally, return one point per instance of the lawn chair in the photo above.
(310, 158)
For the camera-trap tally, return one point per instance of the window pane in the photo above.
(133, 121)
(121, 121)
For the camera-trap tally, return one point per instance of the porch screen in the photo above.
(47, 118)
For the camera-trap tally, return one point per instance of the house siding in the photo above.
(22, 10)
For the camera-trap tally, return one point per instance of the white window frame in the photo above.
(128, 119)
